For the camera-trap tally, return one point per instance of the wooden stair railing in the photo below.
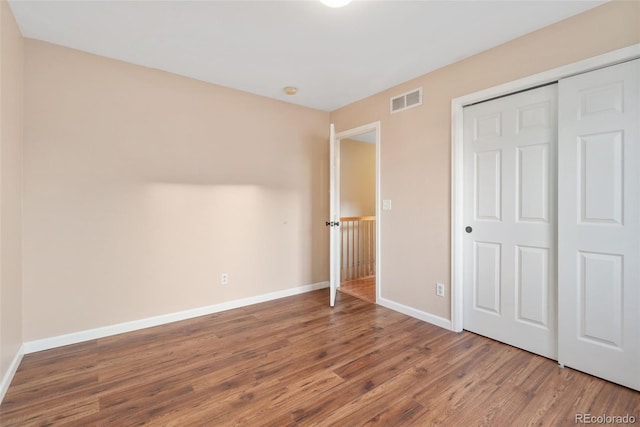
(358, 237)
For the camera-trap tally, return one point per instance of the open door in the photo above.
(334, 215)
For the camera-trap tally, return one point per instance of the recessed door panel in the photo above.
(533, 285)
(533, 117)
(600, 294)
(533, 183)
(488, 185)
(488, 126)
(600, 100)
(601, 178)
(487, 277)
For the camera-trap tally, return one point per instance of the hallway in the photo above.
(363, 288)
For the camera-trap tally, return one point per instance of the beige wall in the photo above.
(357, 178)
(142, 187)
(11, 56)
(416, 144)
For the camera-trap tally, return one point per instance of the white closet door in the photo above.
(599, 223)
(510, 214)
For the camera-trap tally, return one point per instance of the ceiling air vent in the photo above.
(407, 100)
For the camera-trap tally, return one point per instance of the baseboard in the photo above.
(8, 376)
(409, 311)
(77, 337)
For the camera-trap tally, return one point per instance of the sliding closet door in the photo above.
(599, 223)
(510, 216)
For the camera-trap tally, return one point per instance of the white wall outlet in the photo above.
(224, 279)
(386, 205)
(440, 289)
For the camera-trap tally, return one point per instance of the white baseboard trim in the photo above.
(409, 311)
(105, 331)
(8, 376)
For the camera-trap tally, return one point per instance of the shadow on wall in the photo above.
(253, 233)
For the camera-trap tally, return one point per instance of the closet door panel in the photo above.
(509, 243)
(599, 223)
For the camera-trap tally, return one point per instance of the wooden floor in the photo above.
(364, 288)
(297, 362)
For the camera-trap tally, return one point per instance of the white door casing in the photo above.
(334, 215)
(599, 223)
(509, 194)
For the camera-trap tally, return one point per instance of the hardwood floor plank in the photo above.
(363, 288)
(375, 398)
(66, 413)
(280, 408)
(228, 410)
(404, 412)
(297, 362)
(45, 391)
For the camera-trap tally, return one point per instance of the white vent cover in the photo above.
(407, 100)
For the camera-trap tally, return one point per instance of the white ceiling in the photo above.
(334, 56)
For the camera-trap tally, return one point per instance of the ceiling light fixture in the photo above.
(290, 90)
(336, 3)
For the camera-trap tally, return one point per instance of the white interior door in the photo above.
(599, 223)
(334, 214)
(510, 218)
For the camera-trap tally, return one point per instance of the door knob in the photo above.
(468, 229)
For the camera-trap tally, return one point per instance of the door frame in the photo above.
(457, 153)
(370, 127)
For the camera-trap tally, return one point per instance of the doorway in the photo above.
(358, 216)
(355, 194)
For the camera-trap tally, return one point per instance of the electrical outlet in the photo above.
(440, 289)
(224, 279)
